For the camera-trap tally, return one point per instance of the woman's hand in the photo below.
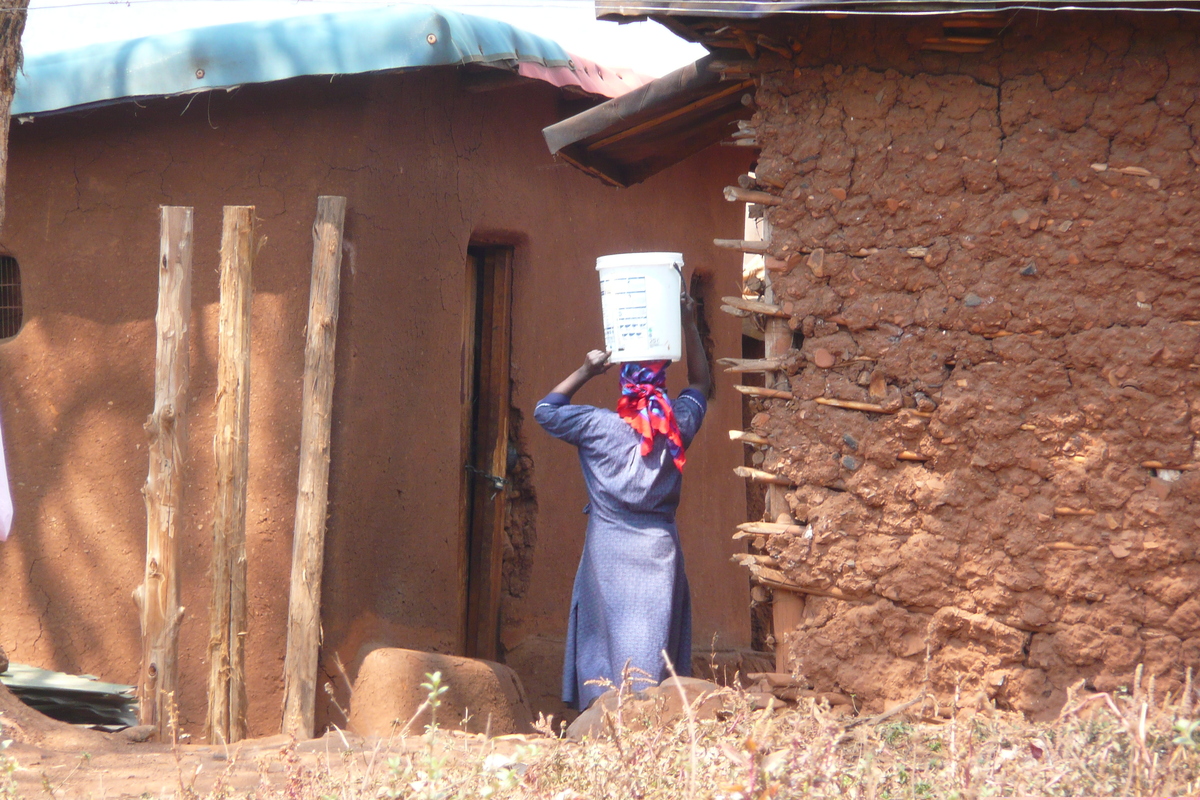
(699, 377)
(687, 307)
(596, 362)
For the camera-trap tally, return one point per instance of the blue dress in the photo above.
(631, 600)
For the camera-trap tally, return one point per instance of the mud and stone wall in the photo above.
(428, 168)
(1009, 240)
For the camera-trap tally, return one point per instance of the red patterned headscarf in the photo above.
(645, 406)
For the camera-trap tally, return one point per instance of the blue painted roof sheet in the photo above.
(223, 56)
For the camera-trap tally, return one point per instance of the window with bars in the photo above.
(11, 309)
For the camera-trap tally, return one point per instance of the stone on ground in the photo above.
(482, 696)
(656, 705)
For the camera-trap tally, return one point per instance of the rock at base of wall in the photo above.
(657, 705)
(481, 696)
(3, 660)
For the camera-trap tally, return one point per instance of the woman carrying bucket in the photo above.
(630, 602)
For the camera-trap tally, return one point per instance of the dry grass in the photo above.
(1102, 745)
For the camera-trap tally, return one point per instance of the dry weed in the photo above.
(1101, 745)
(1129, 744)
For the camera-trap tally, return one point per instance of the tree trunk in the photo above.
(12, 25)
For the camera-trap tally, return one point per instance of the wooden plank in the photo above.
(158, 595)
(226, 720)
(490, 512)
(316, 410)
(657, 121)
(467, 399)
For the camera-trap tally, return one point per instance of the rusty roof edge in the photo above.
(613, 112)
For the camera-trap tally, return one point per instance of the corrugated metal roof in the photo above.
(628, 10)
(224, 56)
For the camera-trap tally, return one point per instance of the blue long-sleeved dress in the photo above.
(631, 600)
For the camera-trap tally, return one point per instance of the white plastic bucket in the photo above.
(639, 296)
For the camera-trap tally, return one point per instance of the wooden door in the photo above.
(485, 414)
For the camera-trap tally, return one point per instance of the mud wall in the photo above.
(427, 169)
(1006, 247)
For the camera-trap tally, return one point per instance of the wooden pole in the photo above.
(787, 610)
(316, 406)
(226, 721)
(158, 596)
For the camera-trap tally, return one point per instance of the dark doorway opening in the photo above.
(486, 363)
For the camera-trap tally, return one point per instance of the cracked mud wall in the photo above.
(1011, 241)
(426, 167)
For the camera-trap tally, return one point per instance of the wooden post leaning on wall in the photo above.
(226, 721)
(308, 544)
(158, 596)
(787, 608)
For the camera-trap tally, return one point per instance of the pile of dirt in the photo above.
(1005, 247)
(23, 725)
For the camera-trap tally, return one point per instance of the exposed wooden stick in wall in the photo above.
(316, 406)
(761, 391)
(745, 245)
(755, 306)
(748, 437)
(158, 596)
(770, 528)
(1067, 511)
(751, 364)
(854, 405)
(1164, 465)
(226, 720)
(1068, 546)
(736, 194)
(762, 476)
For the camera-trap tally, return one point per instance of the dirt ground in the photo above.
(52, 759)
(262, 767)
